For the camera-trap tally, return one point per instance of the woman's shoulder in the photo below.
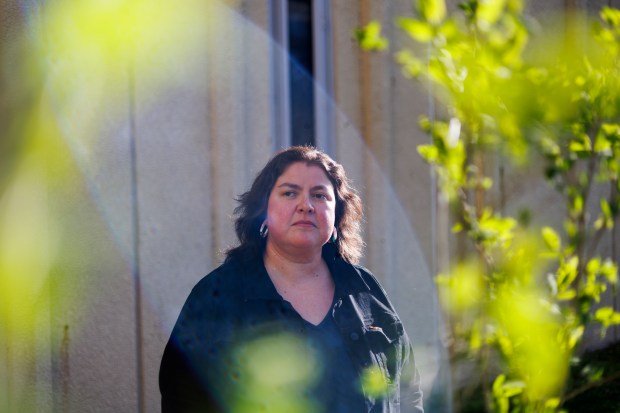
(226, 276)
(214, 293)
(368, 277)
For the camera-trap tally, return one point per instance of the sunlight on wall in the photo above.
(70, 70)
(77, 56)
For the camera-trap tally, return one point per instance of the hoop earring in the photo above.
(264, 230)
(334, 236)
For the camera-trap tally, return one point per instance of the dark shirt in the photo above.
(339, 389)
(237, 345)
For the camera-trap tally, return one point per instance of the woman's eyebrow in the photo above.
(289, 185)
(298, 187)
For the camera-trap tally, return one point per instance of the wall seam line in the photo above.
(135, 221)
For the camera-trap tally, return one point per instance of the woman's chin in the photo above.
(305, 244)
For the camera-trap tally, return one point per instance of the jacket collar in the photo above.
(347, 277)
(258, 286)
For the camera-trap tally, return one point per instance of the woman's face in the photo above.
(301, 210)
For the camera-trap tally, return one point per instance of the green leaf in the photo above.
(425, 124)
(593, 266)
(605, 208)
(611, 16)
(370, 38)
(433, 11)
(575, 336)
(493, 230)
(418, 30)
(607, 316)
(602, 144)
(566, 295)
(489, 12)
(567, 273)
(570, 228)
(486, 183)
(606, 219)
(577, 205)
(552, 403)
(611, 130)
(512, 388)
(449, 30)
(506, 345)
(580, 145)
(552, 239)
(593, 289)
(429, 153)
(609, 270)
(497, 385)
(593, 373)
(504, 390)
(412, 66)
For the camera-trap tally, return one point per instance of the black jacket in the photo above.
(204, 366)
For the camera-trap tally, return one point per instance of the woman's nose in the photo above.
(305, 204)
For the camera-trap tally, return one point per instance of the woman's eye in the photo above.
(321, 196)
(289, 194)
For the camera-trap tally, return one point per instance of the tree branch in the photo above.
(592, 385)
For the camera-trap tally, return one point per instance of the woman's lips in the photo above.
(305, 224)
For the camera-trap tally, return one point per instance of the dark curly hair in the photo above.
(252, 208)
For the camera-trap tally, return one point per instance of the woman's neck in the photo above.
(293, 269)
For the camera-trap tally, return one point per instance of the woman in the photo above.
(289, 322)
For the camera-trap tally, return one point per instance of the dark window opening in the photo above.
(301, 72)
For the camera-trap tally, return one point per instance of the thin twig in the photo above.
(592, 385)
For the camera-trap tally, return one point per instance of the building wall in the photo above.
(376, 134)
(139, 190)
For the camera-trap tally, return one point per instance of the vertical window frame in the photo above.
(323, 80)
(281, 106)
(324, 106)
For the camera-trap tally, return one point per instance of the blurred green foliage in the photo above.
(520, 302)
(273, 374)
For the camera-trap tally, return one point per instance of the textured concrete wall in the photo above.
(144, 210)
(376, 135)
(198, 147)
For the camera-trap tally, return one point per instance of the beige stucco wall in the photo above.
(376, 138)
(139, 228)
